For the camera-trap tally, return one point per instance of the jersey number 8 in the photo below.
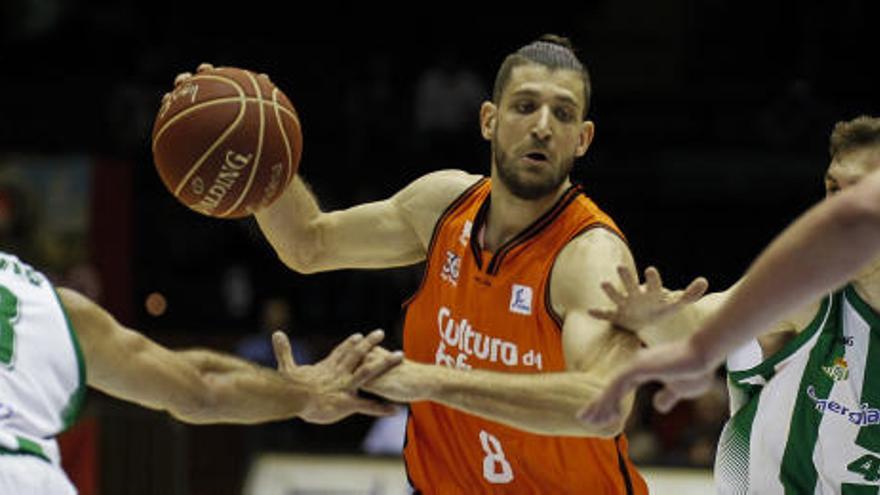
(496, 469)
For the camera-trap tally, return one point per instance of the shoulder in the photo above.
(595, 245)
(75, 304)
(583, 264)
(423, 201)
(435, 190)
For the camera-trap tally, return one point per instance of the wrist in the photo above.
(301, 383)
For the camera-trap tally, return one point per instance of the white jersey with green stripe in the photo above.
(42, 373)
(806, 420)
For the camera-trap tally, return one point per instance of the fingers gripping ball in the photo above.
(226, 142)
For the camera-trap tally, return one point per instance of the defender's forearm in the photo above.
(682, 324)
(236, 391)
(816, 254)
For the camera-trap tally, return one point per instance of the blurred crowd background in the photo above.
(712, 122)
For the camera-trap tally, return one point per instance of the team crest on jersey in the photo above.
(451, 268)
(839, 371)
(466, 233)
(521, 299)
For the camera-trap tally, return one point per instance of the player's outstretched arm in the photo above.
(201, 386)
(815, 255)
(543, 403)
(820, 251)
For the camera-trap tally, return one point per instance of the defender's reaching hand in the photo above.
(639, 306)
(336, 379)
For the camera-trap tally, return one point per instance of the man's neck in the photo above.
(867, 284)
(510, 215)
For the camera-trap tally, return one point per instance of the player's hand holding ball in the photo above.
(226, 141)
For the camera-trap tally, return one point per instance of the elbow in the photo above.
(579, 428)
(301, 257)
(596, 430)
(608, 430)
(304, 252)
(299, 261)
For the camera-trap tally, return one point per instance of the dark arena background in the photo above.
(712, 123)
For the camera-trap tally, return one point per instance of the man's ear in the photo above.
(588, 131)
(488, 116)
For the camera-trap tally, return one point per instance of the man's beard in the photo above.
(529, 189)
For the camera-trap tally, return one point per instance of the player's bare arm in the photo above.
(388, 233)
(201, 386)
(542, 403)
(842, 232)
(659, 315)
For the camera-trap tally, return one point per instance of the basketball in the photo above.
(226, 142)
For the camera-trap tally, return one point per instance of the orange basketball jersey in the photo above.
(477, 309)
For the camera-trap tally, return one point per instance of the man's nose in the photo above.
(541, 129)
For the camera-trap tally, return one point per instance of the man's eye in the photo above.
(564, 114)
(525, 106)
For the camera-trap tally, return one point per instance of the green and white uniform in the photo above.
(42, 380)
(806, 419)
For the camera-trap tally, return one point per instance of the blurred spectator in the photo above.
(387, 434)
(13, 224)
(448, 97)
(275, 314)
(237, 291)
(644, 446)
(375, 122)
(710, 412)
(687, 436)
(447, 105)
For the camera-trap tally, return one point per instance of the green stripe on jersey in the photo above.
(798, 473)
(8, 315)
(71, 411)
(851, 489)
(736, 444)
(26, 447)
(767, 368)
(869, 435)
